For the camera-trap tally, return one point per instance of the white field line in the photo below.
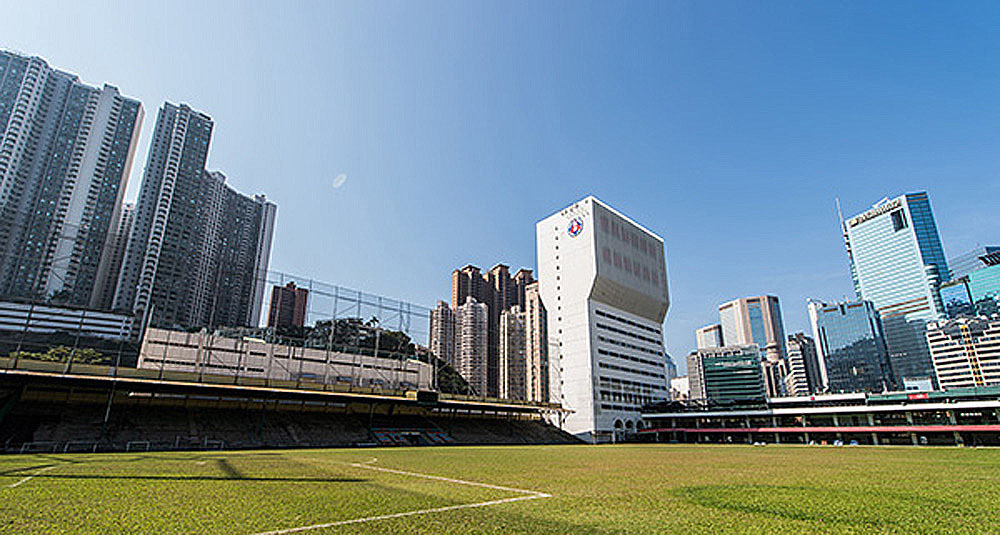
(530, 495)
(26, 479)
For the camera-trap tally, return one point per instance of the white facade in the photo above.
(603, 282)
(218, 355)
(31, 318)
(710, 336)
(966, 351)
(680, 388)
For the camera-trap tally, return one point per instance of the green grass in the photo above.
(595, 489)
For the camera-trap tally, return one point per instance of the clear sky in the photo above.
(727, 128)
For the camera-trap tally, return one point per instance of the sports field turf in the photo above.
(532, 490)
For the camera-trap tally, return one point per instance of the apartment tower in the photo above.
(66, 151)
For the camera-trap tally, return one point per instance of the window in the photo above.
(898, 220)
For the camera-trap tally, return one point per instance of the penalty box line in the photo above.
(528, 495)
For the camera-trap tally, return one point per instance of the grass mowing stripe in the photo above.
(367, 465)
(400, 515)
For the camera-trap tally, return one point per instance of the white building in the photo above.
(213, 354)
(966, 351)
(680, 388)
(34, 318)
(603, 282)
(710, 336)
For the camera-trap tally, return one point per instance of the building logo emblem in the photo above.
(575, 227)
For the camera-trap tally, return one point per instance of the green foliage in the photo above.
(81, 355)
(628, 489)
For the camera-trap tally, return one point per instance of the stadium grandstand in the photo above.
(350, 376)
(963, 416)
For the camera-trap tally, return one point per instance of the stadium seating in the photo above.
(82, 427)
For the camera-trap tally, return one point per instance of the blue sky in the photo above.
(727, 128)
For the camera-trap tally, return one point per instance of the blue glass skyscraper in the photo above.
(898, 263)
(850, 347)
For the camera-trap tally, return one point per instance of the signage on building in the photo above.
(575, 227)
(870, 214)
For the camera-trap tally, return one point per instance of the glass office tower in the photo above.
(850, 347)
(896, 255)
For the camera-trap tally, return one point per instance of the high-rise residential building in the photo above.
(850, 347)
(288, 306)
(710, 336)
(754, 320)
(603, 280)
(442, 335)
(468, 282)
(536, 345)
(521, 280)
(804, 375)
(966, 351)
(198, 251)
(899, 264)
(66, 151)
(728, 375)
(513, 358)
(118, 245)
(499, 292)
(471, 346)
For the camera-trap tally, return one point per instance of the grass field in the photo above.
(532, 490)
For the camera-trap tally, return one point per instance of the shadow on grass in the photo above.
(870, 507)
(227, 477)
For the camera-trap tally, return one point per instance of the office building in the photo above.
(603, 280)
(66, 151)
(969, 261)
(850, 347)
(442, 335)
(536, 345)
(680, 389)
(897, 258)
(710, 336)
(966, 351)
(728, 375)
(288, 306)
(804, 376)
(975, 291)
(471, 345)
(754, 320)
(513, 358)
(198, 251)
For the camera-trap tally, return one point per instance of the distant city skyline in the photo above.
(729, 132)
